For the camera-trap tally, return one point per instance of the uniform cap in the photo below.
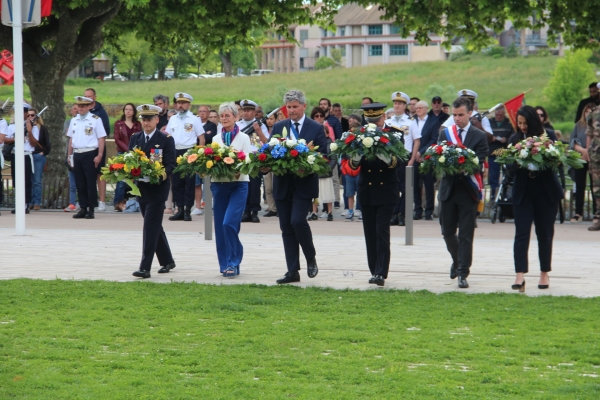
(81, 100)
(400, 96)
(183, 97)
(374, 110)
(598, 85)
(248, 104)
(467, 93)
(148, 110)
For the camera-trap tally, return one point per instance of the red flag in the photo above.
(46, 8)
(512, 106)
(283, 109)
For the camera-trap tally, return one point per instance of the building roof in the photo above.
(354, 14)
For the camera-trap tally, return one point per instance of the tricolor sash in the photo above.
(476, 180)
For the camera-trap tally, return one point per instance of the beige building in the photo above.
(361, 36)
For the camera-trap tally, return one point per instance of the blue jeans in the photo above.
(72, 188)
(39, 161)
(228, 207)
(493, 175)
(120, 190)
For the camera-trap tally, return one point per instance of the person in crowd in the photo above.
(422, 123)
(268, 177)
(326, 195)
(293, 195)
(378, 192)
(97, 109)
(354, 121)
(31, 131)
(446, 108)
(153, 196)
(502, 130)
(186, 130)
(73, 205)
(594, 98)
(213, 117)
(593, 148)
(259, 113)
(481, 123)
(258, 137)
(162, 101)
(230, 196)
(210, 130)
(169, 203)
(437, 110)
(365, 101)
(543, 115)
(411, 106)
(401, 122)
(334, 123)
(389, 113)
(41, 150)
(579, 144)
(336, 110)
(536, 195)
(86, 146)
(126, 126)
(3, 150)
(458, 197)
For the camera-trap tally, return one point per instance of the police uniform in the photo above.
(185, 128)
(86, 134)
(253, 198)
(485, 122)
(401, 123)
(377, 194)
(158, 147)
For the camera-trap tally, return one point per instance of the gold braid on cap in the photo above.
(373, 113)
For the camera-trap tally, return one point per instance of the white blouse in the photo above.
(240, 143)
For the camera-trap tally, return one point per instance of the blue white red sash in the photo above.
(476, 180)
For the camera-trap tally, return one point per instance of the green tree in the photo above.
(134, 56)
(336, 56)
(564, 89)
(324, 63)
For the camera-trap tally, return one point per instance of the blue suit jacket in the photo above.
(307, 187)
(430, 132)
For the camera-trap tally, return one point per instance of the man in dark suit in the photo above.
(293, 195)
(458, 198)
(158, 147)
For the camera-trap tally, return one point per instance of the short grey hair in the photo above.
(204, 105)
(422, 103)
(158, 97)
(294, 95)
(228, 106)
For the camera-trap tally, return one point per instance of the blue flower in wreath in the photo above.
(278, 151)
(264, 147)
(301, 148)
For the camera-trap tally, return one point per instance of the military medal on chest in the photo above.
(188, 127)
(156, 155)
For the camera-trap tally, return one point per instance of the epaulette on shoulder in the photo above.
(411, 118)
(95, 116)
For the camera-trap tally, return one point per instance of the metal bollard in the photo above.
(208, 209)
(408, 209)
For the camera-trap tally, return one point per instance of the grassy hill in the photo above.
(495, 80)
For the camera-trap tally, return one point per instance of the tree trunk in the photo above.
(226, 60)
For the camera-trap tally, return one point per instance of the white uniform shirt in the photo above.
(485, 122)
(240, 143)
(3, 126)
(35, 131)
(415, 132)
(9, 133)
(85, 131)
(185, 130)
(242, 124)
(402, 122)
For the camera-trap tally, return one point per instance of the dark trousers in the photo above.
(295, 230)
(581, 176)
(459, 212)
(400, 207)
(536, 207)
(376, 225)
(429, 185)
(253, 198)
(493, 175)
(155, 239)
(86, 174)
(184, 188)
(28, 173)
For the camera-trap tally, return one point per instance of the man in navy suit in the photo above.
(293, 195)
(158, 147)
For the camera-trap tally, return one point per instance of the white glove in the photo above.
(384, 158)
(356, 158)
(532, 167)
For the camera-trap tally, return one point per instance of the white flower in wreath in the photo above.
(368, 142)
(377, 138)
(247, 160)
(128, 155)
(310, 159)
(273, 142)
(333, 147)
(523, 153)
(371, 127)
(442, 159)
(302, 141)
(290, 143)
(476, 161)
(200, 151)
(231, 154)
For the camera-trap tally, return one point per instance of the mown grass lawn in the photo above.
(103, 340)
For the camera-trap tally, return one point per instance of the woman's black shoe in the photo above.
(330, 217)
(544, 286)
(372, 279)
(519, 287)
(378, 280)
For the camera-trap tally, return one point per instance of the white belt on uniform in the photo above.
(84, 149)
(1, 158)
(183, 147)
(27, 153)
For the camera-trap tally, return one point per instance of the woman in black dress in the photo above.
(536, 197)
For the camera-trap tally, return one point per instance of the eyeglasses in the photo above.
(540, 115)
(225, 116)
(31, 115)
(420, 107)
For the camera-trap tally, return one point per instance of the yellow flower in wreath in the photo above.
(179, 159)
(157, 166)
(215, 145)
(144, 159)
(126, 168)
(209, 164)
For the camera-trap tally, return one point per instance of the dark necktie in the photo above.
(147, 138)
(297, 124)
(462, 137)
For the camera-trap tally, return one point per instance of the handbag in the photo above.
(7, 150)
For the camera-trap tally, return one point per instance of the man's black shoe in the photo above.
(254, 217)
(378, 280)
(428, 218)
(270, 214)
(141, 274)
(187, 214)
(312, 270)
(336, 204)
(394, 220)
(462, 283)
(81, 214)
(90, 213)
(372, 279)
(289, 277)
(453, 272)
(401, 220)
(417, 216)
(178, 215)
(246, 217)
(166, 268)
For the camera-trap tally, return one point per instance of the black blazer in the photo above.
(211, 127)
(553, 188)
(377, 183)
(160, 192)
(307, 187)
(476, 141)
(430, 133)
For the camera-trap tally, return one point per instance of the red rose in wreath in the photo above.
(208, 151)
(427, 157)
(384, 140)
(439, 149)
(461, 159)
(349, 139)
(217, 158)
(241, 156)
(136, 171)
(262, 157)
(294, 153)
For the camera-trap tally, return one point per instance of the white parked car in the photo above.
(118, 77)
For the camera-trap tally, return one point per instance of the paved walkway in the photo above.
(109, 248)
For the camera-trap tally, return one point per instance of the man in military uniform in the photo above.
(593, 157)
(400, 122)
(86, 146)
(378, 193)
(482, 124)
(158, 147)
(502, 131)
(186, 129)
(259, 135)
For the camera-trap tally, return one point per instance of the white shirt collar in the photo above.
(466, 128)
(148, 135)
(422, 119)
(300, 121)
